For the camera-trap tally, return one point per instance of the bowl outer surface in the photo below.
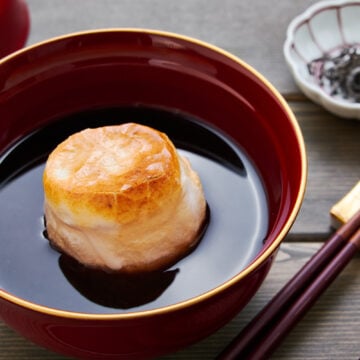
(133, 338)
(14, 25)
(142, 67)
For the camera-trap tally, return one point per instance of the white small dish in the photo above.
(322, 50)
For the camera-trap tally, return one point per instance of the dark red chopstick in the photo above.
(266, 331)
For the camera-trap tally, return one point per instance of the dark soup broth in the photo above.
(237, 224)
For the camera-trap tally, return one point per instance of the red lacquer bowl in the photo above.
(14, 25)
(128, 67)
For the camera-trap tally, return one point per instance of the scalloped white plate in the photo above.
(324, 29)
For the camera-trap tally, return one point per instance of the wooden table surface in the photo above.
(255, 31)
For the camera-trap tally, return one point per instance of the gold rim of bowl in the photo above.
(253, 266)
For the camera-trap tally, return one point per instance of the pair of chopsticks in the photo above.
(259, 339)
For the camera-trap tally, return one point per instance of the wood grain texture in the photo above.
(329, 331)
(252, 30)
(333, 151)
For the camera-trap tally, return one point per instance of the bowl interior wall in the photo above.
(99, 70)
